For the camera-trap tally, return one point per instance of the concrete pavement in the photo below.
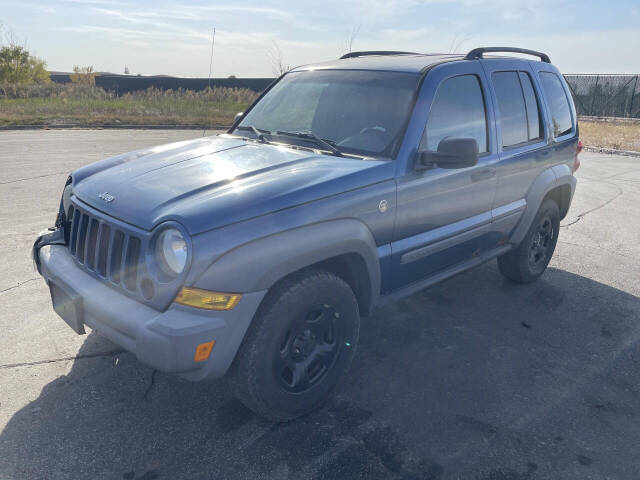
(475, 378)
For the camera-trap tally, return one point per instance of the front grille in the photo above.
(104, 248)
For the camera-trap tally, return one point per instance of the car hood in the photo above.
(214, 181)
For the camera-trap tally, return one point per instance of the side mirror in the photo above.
(238, 116)
(453, 152)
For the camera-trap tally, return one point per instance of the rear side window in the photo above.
(513, 113)
(457, 111)
(518, 107)
(558, 104)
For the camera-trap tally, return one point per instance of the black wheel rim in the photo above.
(541, 243)
(309, 349)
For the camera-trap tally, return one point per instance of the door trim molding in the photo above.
(508, 209)
(427, 250)
(419, 246)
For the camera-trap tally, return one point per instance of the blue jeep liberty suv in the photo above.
(346, 185)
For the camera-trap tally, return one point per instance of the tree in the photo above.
(278, 66)
(17, 66)
(348, 43)
(83, 75)
(457, 42)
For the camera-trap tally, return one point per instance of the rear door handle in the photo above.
(485, 174)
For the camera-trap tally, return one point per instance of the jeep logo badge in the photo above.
(107, 197)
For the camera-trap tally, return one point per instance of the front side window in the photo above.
(457, 110)
(359, 112)
(562, 123)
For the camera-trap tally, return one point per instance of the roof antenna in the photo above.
(213, 38)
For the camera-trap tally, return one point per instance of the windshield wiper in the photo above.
(259, 135)
(325, 144)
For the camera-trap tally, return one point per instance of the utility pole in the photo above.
(213, 38)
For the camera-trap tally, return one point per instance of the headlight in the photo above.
(171, 251)
(66, 198)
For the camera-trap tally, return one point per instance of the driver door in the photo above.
(444, 215)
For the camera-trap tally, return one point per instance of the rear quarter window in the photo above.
(561, 121)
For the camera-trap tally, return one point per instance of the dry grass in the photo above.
(623, 135)
(82, 104)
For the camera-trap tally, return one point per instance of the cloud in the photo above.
(195, 12)
(94, 2)
(174, 36)
(181, 37)
(589, 52)
(131, 18)
(404, 35)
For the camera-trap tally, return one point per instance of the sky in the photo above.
(174, 37)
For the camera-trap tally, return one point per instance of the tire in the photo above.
(529, 260)
(299, 346)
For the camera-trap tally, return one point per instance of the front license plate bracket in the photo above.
(67, 304)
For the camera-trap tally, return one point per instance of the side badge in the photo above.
(383, 206)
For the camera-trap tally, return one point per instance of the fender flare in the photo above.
(545, 182)
(259, 264)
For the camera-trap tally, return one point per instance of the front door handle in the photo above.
(485, 174)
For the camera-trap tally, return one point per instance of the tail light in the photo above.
(576, 161)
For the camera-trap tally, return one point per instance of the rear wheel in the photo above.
(529, 260)
(299, 346)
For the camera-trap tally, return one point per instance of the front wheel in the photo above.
(299, 346)
(529, 260)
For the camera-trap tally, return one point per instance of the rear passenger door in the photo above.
(522, 138)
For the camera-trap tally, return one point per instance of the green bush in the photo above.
(18, 67)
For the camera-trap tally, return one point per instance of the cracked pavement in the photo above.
(475, 378)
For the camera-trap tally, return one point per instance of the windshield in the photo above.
(357, 112)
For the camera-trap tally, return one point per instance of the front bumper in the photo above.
(165, 341)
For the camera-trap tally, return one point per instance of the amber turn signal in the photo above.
(203, 351)
(205, 299)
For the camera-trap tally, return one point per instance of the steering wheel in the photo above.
(381, 131)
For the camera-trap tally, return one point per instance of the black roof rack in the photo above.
(375, 52)
(477, 52)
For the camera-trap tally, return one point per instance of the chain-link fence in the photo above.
(606, 95)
